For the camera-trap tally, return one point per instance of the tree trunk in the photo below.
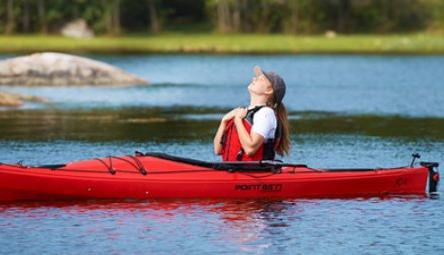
(344, 16)
(223, 19)
(220, 18)
(154, 19)
(237, 16)
(10, 24)
(116, 17)
(42, 16)
(263, 23)
(107, 16)
(25, 22)
(294, 16)
(245, 21)
(112, 16)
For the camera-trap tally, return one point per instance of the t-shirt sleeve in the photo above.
(264, 121)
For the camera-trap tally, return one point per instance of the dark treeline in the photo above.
(225, 16)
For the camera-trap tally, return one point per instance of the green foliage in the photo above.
(2, 15)
(229, 16)
(436, 8)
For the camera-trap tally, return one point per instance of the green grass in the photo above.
(233, 43)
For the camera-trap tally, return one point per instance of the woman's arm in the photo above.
(250, 142)
(218, 138)
(220, 131)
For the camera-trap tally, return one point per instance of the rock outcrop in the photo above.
(57, 69)
(16, 100)
(77, 29)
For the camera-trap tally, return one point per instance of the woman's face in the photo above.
(260, 85)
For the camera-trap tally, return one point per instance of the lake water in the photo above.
(345, 111)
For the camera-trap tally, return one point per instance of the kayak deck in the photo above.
(156, 176)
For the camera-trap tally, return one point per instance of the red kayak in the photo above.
(155, 175)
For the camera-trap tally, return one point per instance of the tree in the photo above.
(344, 9)
(111, 15)
(293, 7)
(43, 24)
(223, 16)
(10, 22)
(25, 16)
(237, 16)
(116, 17)
(154, 19)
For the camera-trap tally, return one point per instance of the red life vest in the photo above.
(232, 148)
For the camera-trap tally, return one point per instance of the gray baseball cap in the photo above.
(276, 81)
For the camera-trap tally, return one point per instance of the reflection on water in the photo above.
(390, 226)
(167, 124)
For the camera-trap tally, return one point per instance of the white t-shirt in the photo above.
(265, 123)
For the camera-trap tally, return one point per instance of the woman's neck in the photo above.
(258, 100)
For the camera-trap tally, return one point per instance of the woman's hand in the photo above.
(220, 131)
(240, 113)
(229, 115)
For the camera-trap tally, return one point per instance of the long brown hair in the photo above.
(282, 146)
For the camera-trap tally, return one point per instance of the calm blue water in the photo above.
(346, 111)
(411, 86)
(373, 226)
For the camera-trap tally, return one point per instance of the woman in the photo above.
(259, 131)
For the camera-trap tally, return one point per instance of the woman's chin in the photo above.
(252, 88)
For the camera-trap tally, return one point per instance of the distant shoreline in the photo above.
(208, 43)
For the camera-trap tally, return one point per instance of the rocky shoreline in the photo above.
(58, 69)
(17, 100)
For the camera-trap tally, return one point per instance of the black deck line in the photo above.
(256, 165)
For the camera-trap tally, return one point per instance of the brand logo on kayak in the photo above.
(260, 187)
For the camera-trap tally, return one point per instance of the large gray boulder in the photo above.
(57, 69)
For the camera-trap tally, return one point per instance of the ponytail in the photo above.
(283, 144)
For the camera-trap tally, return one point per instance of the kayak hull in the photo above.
(94, 179)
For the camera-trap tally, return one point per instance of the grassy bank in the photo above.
(245, 43)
